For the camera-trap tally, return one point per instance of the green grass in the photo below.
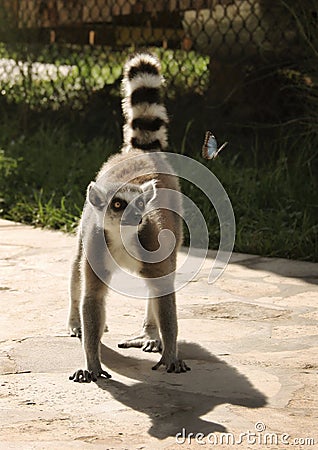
(66, 75)
(44, 174)
(55, 135)
(43, 181)
(275, 202)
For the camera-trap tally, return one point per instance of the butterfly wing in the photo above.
(209, 146)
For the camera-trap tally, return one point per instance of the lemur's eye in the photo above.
(118, 204)
(140, 204)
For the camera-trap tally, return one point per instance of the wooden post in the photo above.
(52, 36)
(91, 37)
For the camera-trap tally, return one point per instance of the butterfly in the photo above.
(210, 147)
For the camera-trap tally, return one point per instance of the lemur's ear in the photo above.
(96, 195)
(150, 190)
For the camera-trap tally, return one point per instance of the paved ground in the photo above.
(251, 340)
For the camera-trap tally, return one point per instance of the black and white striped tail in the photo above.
(146, 116)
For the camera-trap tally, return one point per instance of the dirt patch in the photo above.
(239, 310)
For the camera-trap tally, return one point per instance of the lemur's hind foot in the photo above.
(143, 341)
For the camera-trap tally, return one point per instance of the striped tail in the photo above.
(146, 116)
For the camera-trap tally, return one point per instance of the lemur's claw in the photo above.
(86, 376)
(174, 366)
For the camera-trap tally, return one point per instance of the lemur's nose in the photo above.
(132, 217)
(138, 217)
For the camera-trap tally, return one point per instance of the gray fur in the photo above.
(87, 291)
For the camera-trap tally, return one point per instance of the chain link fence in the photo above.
(58, 51)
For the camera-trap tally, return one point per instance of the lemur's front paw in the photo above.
(74, 325)
(76, 332)
(86, 376)
(172, 365)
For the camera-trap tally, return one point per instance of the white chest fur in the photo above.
(123, 244)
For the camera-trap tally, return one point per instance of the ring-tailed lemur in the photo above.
(131, 179)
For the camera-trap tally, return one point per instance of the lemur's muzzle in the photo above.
(132, 218)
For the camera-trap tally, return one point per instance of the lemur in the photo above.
(126, 194)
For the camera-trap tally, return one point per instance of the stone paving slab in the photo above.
(251, 339)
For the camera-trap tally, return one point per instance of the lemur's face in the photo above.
(125, 206)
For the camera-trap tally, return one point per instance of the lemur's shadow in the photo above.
(176, 401)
